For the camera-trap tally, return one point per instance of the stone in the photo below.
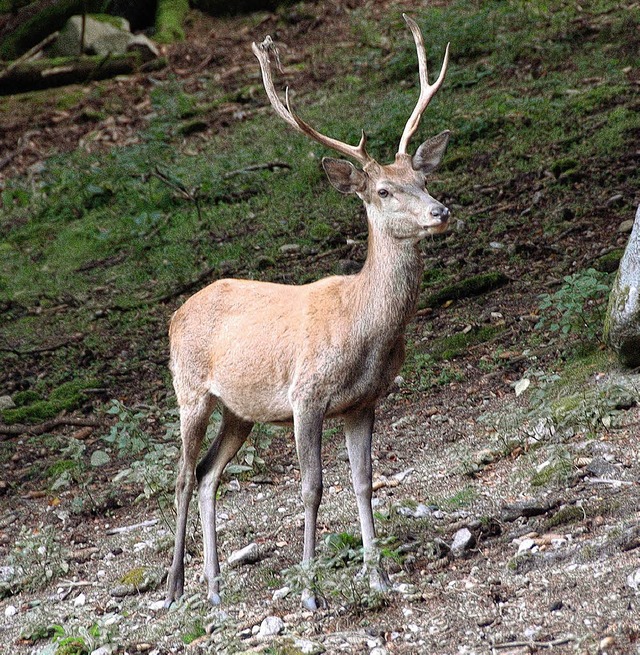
(463, 540)
(247, 555)
(6, 402)
(290, 248)
(622, 322)
(281, 593)
(526, 508)
(633, 580)
(308, 647)
(102, 35)
(10, 610)
(626, 226)
(270, 627)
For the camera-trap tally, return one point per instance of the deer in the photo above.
(299, 354)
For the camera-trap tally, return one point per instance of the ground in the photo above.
(506, 459)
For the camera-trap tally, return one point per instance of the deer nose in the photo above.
(440, 212)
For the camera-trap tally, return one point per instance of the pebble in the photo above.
(10, 610)
(463, 540)
(289, 248)
(633, 580)
(526, 545)
(626, 226)
(247, 555)
(281, 593)
(270, 627)
(80, 600)
(308, 647)
(6, 402)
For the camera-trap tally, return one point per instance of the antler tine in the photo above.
(427, 91)
(261, 51)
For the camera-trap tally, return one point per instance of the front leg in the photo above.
(358, 428)
(308, 435)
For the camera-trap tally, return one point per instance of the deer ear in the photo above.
(344, 175)
(429, 155)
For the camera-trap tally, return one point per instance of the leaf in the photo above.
(522, 385)
(234, 469)
(99, 458)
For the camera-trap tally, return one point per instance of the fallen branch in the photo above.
(43, 349)
(41, 428)
(131, 528)
(535, 644)
(48, 73)
(269, 166)
(30, 53)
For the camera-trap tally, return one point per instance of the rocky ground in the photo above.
(506, 500)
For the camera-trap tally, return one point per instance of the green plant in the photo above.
(37, 558)
(340, 573)
(577, 306)
(126, 434)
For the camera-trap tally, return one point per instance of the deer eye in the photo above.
(383, 193)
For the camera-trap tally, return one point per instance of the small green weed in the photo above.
(37, 557)
(577, 306)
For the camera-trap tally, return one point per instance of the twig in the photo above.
(615, 483)
(535, 644)
(269, 166)
(43, 349)
(131, 528)
(41, 428)
(29, 53)
(192, 194)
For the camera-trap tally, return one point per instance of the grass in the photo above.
(106, 239)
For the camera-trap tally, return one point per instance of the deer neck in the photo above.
(387, 286)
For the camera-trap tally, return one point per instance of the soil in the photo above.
(549, 567)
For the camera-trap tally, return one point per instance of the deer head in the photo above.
(395, 195)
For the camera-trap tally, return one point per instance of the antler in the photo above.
(427, 91)
(261, 51)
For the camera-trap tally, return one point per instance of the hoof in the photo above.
(379, 581)
(214, 598)
(309, 601)
(168, 603)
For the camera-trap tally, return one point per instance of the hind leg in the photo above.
(231, 435)
(194, 418)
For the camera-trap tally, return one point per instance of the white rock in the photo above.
(633, 580)
(10, 610)
(281, 593)
(156, 606)
(6, 402)
(246, 555)
(526, 545)
(307, 647)
(270, 627)
(379, 650)
(80, 600)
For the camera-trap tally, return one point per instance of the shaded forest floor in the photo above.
(507, 459)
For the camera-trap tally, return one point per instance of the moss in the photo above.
(27, 397)
(56, 470)
(472, 286)
(170, 15)
(452, 346)
(134, 577)
(566, 514)
(564, 166)
(46, 21)
(609, 263)
(67, 397)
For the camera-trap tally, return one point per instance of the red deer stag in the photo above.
(297, 354)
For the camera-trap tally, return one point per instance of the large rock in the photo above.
(102, 35)
(622, 323)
